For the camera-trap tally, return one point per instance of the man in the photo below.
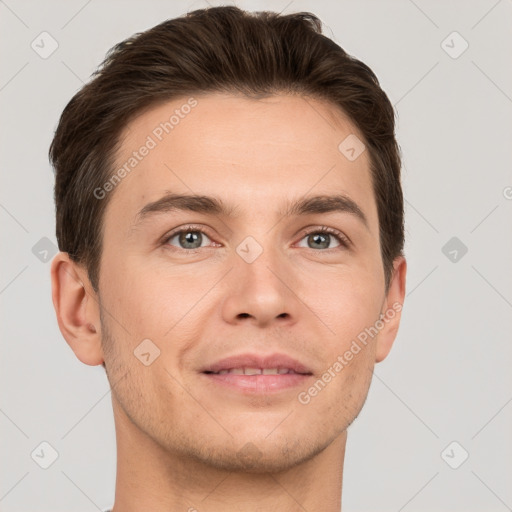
(230, 216)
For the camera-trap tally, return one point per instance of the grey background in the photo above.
(448, 376)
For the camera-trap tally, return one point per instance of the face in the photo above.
(242, 276)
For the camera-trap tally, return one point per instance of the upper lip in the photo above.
(258, 361)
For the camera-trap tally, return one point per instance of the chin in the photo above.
(258, 456)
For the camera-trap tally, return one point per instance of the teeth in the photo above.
(256, 371)
(252, 371)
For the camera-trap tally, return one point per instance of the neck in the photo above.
(151, 478)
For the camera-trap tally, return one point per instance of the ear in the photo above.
(77, 308)
(392, 309)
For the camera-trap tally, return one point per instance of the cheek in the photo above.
(148, 302)
(346, 303)
(340, 392)
(350, 307)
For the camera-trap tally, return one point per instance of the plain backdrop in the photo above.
(435, 432)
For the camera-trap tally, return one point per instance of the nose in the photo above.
(263, 292)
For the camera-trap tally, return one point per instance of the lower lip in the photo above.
(258, 383)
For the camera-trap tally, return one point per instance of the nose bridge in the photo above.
(258, 284)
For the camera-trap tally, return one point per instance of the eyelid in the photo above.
(187, 227)
(344, 240)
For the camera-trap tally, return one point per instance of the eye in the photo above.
(189, 238)
(320, 238)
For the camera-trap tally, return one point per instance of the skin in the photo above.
(184, 443)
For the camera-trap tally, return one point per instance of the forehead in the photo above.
(249, 152)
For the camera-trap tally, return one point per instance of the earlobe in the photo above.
(77, 309)
(392, 309)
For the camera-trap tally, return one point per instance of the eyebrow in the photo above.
(211, 205)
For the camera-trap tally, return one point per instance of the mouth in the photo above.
(252, 373)
(257, 371)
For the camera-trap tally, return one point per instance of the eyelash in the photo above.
(341, 238)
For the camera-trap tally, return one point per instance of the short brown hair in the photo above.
(218, 49)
